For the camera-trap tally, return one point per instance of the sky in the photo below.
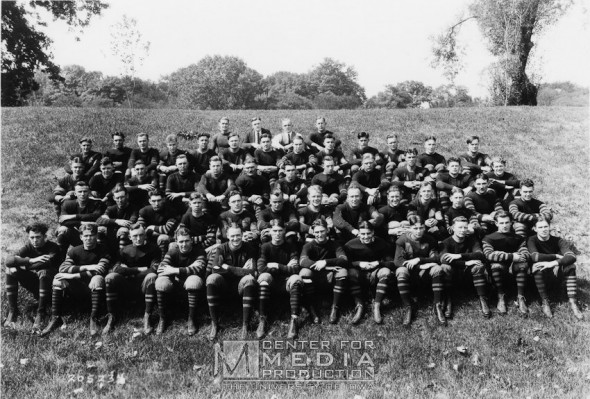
(386, 41)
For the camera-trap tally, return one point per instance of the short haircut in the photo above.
(430, 138)
(120, 134)
(368, 155)
(394, 189)
(203, 134)
(320, 118)
(543, 218)
(285, 120)
(453, 159)
(315, 188)
(353, 186)
(327, 158)
(37, 227)
(119, 187)
(85, 140)
(156, 193)
(233, 193)
(214, 158)
(106, 161)
(277, 193)
(171, 138)
(182, 231)
(288, 163)
(392, 136)
(234, 225)
(76, 160)
(91, 227)
(298, 137)
(365, 224)
(498, 159)
(182, 156)
(482, 176)
(460, 219)
(415, 219)
(361, 135)
(233, 134)
(502, 214)
(527, 183)
(265, 136)
(425, 184)
(139, 162)
(456, 190)
(140, 135)
(329, 136)
(412, 151)
(277, 222)
(321, 222)
(225, 118)
(256, 118)
(196, 196)
(471, 139)
(250, 159)
(81, 183)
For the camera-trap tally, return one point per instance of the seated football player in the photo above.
(458, 209)
(315, 140)
(473, 161)
(356, 155)
(33, 267)
(167, 164)
(90, 159)
(278, 272)
(341, 164)
(200, 157)
(484, 202)
(395, 216)
(445, 182)
(370, 180)
(323, 263)
(254, 188)
(313, 211)
(292, 186)
(181, 184)
(220, 138)
(140, 185)
(417, 261)
(200, 225)
(431, 160)
(268, 160)
(73, 213)
(526, 210)
(134, 272)
(238, 215)
(332, 183)
(428, 209)
(552, 257)
(150, 156)
(371, 261)
(102, 184)
(392, 156)
(158, 219)
(234, 268)
(251, 140)
(503, 183)
(507, 253)
(304, 160)
(183, 267)
(462, 255)
(119, 154)
(348, 215)
(65, 189)
(216, 185)
(409, 176)
(118, 218)
(81, 275)
(233, 157)
(279, 210)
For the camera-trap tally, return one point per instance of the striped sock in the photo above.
(355, 290)
(44, 293)
(338, 291)
(540, 283)
(97, 296)
(150, 296)
(56, 301)
(403, 286)
(112, 299)
(192, 302)
(213, 301)
(437, 289)
(264, 299)
(294, 299)
(12, 292)
(479, 281)
(162, 297)
(247, 302)
(571, 286)
(381, 290)
(498, 280)
(520, 282)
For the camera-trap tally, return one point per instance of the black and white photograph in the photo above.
(295, 199)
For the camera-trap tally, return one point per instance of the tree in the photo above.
(408, 94)
(508, 27)
(25, 49)
(216, 83)
(335, 77)
(447, 96)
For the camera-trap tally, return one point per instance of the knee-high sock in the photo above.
(540, 283)
(355, 290)
(437, 289)
(97, 296)
(403, 285)
(294, 299)
(498, 277)
(520, 282)
(150, 297)
(44, 293)
(571, 286)
(56, 301)
(247, 302)
(162, 297)
(112, 299)
(338, 292)
(213, 299)
(192, 302)
(381, 290)
(309, 294)
(264, 300)
(479, 281)
(12, 292)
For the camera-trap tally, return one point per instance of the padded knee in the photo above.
(215, 280)
(96, 283)
(149, 279)
(265, 279)
(341, 274)
(402, 273)
(164, 284)
(383, 274)
(294, 281)
(497, 266)
(193, 283)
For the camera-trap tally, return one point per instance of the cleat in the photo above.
(191, 326)
(10, 319)
(438, 311)
(501, 304)
(577, 312)
(244, 334)
(261, 330)
(110, 324)
(54, 323)
(147, 328)
(522, 307)
(485, 310)
(161, 326)
(449, 308)
(407, 316)
(292, 334)
(334, 315)
(38, 321)
(358, 313)
(313, 315)
(546, 308)
(93, 326)
(377, 313)
(213, 332)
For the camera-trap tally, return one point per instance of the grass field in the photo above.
(507, 356)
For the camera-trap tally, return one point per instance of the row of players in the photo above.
(240, 264)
